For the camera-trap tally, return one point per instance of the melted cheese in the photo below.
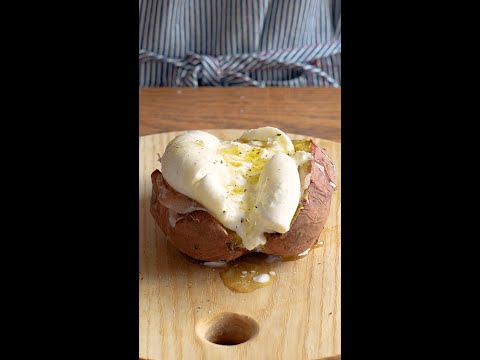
(251, 186)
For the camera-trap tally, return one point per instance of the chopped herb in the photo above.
(245, 190)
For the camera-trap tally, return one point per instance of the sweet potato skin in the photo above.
(196, 233)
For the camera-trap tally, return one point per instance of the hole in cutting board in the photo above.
(228, 329)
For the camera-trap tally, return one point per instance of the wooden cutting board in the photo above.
(183, 303)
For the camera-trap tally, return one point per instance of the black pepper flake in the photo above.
(256, 207)
(241, 220)
(224, 211)
(279, 134)
(330, 313)
(221, 161)
(245, 190)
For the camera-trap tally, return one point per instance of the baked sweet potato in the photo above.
(196, 233)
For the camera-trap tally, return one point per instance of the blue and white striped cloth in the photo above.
(240, 43)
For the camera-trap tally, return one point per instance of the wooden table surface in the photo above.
(306, 111)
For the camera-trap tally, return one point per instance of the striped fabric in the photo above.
(240, 43)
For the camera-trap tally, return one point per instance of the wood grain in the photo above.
(311, 111)
(298, 316)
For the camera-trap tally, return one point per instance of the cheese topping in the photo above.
(251, 186)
